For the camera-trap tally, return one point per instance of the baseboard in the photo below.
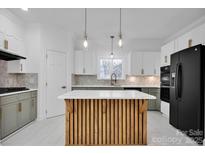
(164, 115)
(17, 131)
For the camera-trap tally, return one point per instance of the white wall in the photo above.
(47, 37)
(37, 38)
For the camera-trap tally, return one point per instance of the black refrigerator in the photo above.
(187, 91)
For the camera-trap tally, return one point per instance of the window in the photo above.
(109, 66)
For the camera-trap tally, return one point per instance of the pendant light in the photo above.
(120, 34)
(85, 43)
(112, 54)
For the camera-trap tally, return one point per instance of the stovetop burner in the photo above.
(4, 90)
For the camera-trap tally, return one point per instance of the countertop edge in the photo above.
(18, 92)
(109, 86)
(78, 94)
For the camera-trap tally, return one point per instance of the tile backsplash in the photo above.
(130, 80)
(29, 80)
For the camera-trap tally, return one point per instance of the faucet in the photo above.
(113, 79)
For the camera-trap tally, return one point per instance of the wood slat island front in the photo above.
(106, 121)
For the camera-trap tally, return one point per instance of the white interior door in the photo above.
(56, 82)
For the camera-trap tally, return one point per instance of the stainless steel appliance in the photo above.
(187, 91)
(165, 83)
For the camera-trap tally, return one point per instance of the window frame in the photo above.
(106, 58)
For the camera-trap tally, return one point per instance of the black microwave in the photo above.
(165, 76)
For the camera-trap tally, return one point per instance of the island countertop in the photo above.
(106, 94)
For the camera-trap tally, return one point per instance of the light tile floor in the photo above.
(50, 132)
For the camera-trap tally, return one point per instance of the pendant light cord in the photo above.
(120, 22)
(112, 45)
(86, 23)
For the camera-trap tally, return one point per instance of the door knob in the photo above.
(63, 87)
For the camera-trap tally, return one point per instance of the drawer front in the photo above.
(154, 90)
(8, 99)
(145, 90)
(25, 95)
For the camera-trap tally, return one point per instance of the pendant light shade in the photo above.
(112, 54)
(120, 43)
(85, 42)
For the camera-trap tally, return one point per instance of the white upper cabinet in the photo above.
(183, 41)
(166, 51)
(11, 36)
(79, 62)
(151, 62)
(136, 63)
(145, 63)
(84, 62)
(198, 35)
(194, 37)
(157, 64)
(15, 44)
(17, 66)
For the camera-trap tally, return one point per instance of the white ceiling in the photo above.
(136, 23)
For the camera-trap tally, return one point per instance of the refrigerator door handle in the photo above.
(179, 81)
(176, 81)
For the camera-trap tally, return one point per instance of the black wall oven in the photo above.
(165, 83)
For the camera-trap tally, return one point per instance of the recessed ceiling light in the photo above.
(24, 9)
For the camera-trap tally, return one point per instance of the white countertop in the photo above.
(120, 86)
(106, 94)
(17, 92)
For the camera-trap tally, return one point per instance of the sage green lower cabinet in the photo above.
(153, 104)
(33, 114)
(9, 119)
(16, 111)
(25, 112)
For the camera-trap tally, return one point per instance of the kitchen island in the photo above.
(106, 117)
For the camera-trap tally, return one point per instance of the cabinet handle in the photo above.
(165, 59)
(142, 71)
(21, 67)
(155, 71)
(190, 43)
(6, 44)
(83, 70)
(19, 107)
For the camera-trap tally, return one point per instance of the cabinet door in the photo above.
(156, 92)
(152, 103)
(24, 112)
(88, 62)
(198, 35)
(166, 51)
(79, 62)
(157, 64)
(183, 41)
(33, 115)
(149, 63)
(17, 66)
(136, 63)
(9, 115)
(11, 42)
